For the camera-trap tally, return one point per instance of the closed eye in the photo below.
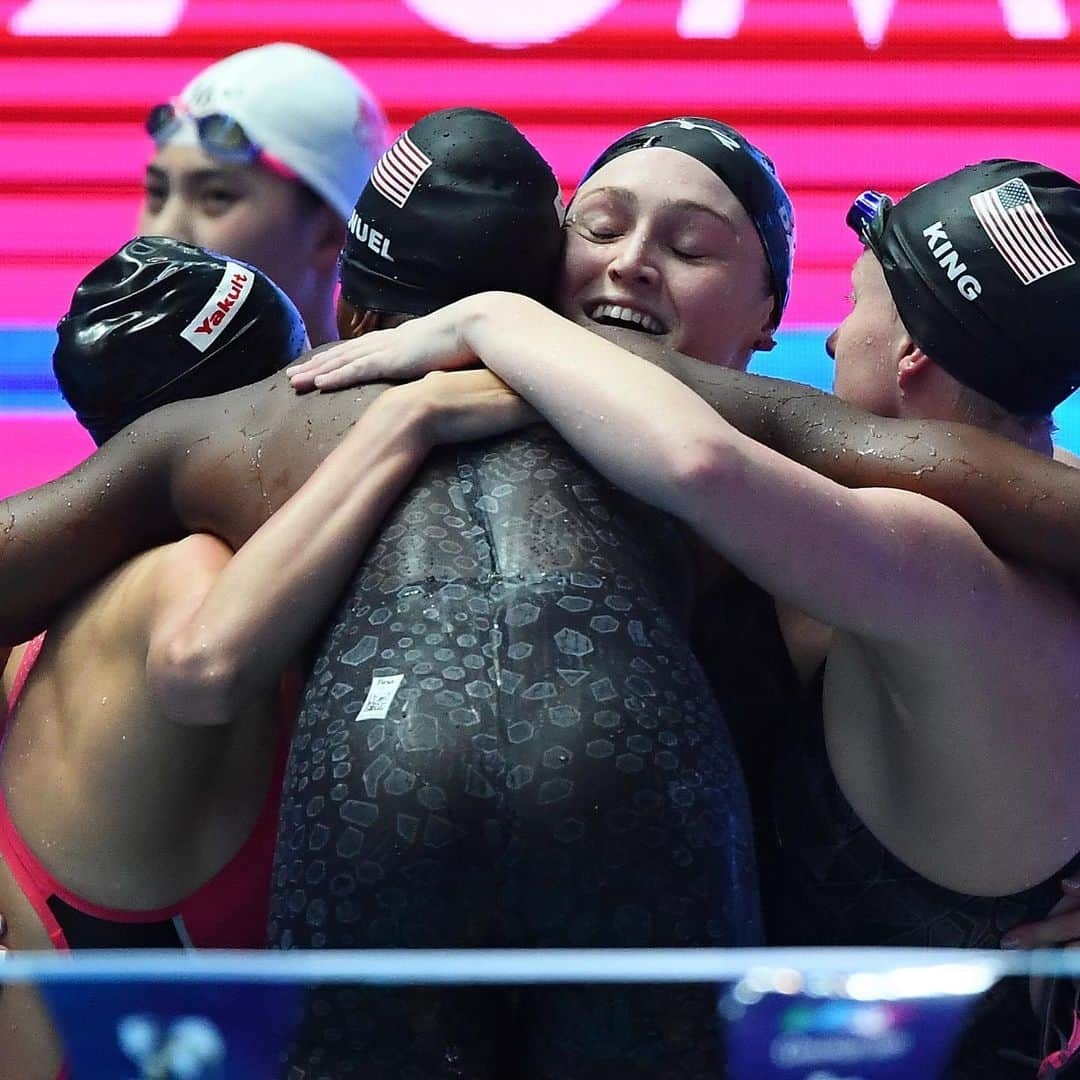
(689, 256)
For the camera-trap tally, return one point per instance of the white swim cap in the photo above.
(301, 108)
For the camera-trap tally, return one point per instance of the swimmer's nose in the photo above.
(830, 344)
(632, 260)
(171, 219)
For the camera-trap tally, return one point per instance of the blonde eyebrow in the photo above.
(691, 206)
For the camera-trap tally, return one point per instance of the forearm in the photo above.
(1023, 504)
(59, 539)
(279, 586)
(630, 419)
(659, 441)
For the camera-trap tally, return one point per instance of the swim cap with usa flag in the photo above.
(461, 203)
(983, 268)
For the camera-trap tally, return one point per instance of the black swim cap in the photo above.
(162, 321)
(748, 172)
(982, 267)
(461, 203)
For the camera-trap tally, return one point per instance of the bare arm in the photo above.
(195, 466)
(800, 535)
(209, 655)
(1021, 503)
(52, 540)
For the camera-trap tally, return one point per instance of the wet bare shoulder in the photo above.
(248, 452)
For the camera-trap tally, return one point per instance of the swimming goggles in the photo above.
(868, 215)
(219, 135)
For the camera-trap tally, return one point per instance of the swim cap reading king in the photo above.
(162, 321)
(982, 267)
(461, 203)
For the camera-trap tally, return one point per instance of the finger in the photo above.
(344, 377)
(304, 365)
(309, 380)
(302, 382)
(1057, 930)
(332, 356)
(326, 361)
(312, 362)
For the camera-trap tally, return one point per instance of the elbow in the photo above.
(703, 468)
(192, 682)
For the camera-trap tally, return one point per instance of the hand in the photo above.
(462, 406)
(1060, 927)
(431, 343)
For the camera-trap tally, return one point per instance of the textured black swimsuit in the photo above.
(551, 770)
(827, 880)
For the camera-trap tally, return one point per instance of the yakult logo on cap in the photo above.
(227, 299)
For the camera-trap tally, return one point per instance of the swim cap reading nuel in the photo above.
(748, 172)
(982, 267)
(162, 321)
(460, 203)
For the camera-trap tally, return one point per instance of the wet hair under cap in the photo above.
(748, 172)
(162, 321)
(983, 268)
(461, 203)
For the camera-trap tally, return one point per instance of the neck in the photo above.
(946, 399)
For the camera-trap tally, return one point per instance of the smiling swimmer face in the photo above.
(658, 244)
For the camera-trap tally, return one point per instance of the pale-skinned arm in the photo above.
(1023, 504)
(887, 563)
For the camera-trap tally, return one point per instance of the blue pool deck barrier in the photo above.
(790, 1014)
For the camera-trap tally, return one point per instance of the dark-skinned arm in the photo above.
(52, 543)
(1023, 504)
(188, 467)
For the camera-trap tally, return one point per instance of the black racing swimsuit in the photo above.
(546, 767)
(826, 880)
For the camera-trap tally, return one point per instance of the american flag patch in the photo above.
(1016, 227)
(398, 171)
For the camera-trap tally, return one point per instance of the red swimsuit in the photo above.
(228, 912)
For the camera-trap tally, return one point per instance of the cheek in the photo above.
(239, 232)
(144, 219)
(581, 266)
(711, 309)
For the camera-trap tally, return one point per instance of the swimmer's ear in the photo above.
(911, 365)
(766, 341)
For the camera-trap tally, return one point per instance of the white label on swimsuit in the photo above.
(380, 697)
(221, 308)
